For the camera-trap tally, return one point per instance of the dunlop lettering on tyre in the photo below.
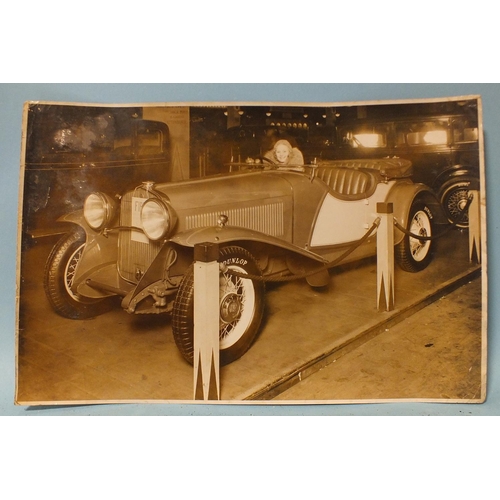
(241, 306)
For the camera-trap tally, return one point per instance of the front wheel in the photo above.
(59, 273)
(413, 254)
(241, 306)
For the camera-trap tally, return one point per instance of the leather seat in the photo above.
(348, 183)
(391, 168)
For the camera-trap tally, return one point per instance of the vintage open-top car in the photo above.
(267, 221)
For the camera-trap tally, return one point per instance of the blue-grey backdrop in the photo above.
(12, 97)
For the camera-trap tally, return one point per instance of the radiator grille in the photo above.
(267, 219)
(134, 257)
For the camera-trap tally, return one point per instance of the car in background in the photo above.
(71, 151)
(444, 150)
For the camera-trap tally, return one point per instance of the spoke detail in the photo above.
(71, 267)
(420, 226)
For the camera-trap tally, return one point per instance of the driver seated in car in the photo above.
(284, 155)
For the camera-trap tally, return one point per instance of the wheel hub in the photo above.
(230, 308)
(419, 230)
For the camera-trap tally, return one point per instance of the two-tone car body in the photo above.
(267, 221)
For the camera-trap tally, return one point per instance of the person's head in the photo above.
(282, 151)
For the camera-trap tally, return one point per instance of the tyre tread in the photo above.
(53, 283)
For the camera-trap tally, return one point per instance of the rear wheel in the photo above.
(241, 305)
(413, 254)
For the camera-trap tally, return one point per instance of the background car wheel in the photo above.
(59, 273)
(414, 255)
(454, 195)
(241, 305)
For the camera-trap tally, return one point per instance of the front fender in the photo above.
(76, 218)
(455, 172)
(231, 234)
(402, 196)
(100, 250)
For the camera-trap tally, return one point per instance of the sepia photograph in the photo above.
(261, 253)
(249, 212)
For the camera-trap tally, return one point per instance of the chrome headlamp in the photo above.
(99, 210)
(157, 218)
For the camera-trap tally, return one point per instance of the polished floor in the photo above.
(313, 346)
(433, 354)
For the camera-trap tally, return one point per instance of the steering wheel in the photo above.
(267, 160)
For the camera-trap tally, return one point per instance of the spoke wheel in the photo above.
(454, 196)
(59, 274)
(237, 306)
(241, 306)
(421, 226)
(70, 271)
(412, 254)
